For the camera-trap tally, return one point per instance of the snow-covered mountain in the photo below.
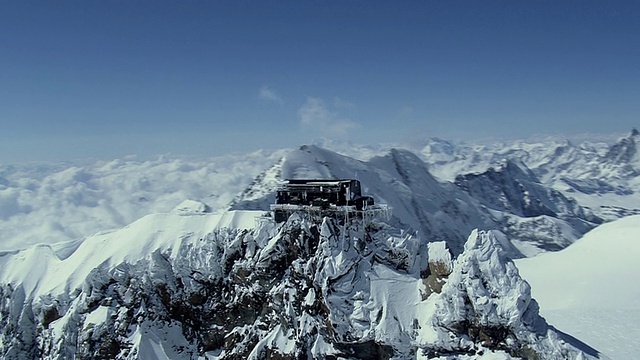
(201, 282)
(532, 214)
(400, 179)
(67, 201)
(508, 199)
(602, 176)
(195, 285)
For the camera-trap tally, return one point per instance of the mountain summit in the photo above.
(625, 150)
(196, 285)
(543, 219)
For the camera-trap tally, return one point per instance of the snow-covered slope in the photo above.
(58, 305)
(590, 289)
(41, 269)
(193, 285)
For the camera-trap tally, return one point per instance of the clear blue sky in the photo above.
(110, 78)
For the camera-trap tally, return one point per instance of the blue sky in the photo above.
(108, 78)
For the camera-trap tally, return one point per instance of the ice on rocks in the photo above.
(486, 302)
(193, 285)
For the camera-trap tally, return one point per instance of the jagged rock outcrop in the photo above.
(625, 150)
(487, 305)
(439, 268)
(209, 286)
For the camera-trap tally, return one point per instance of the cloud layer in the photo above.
(52, 203)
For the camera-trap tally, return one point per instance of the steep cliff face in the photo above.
(625, 150)
(514, 188)
(194, 285)
(532, 214)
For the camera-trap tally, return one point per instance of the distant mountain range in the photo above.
(602, 177)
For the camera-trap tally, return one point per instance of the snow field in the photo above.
(590, 289)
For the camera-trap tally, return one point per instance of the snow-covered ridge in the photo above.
(41, 270)
(233, 285)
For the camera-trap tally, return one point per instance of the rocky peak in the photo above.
(623, 151)
(509, 187)
(488, 305)
(512, 187)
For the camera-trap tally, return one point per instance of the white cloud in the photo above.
(52, 203)
(269, 95)
(316, 115)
